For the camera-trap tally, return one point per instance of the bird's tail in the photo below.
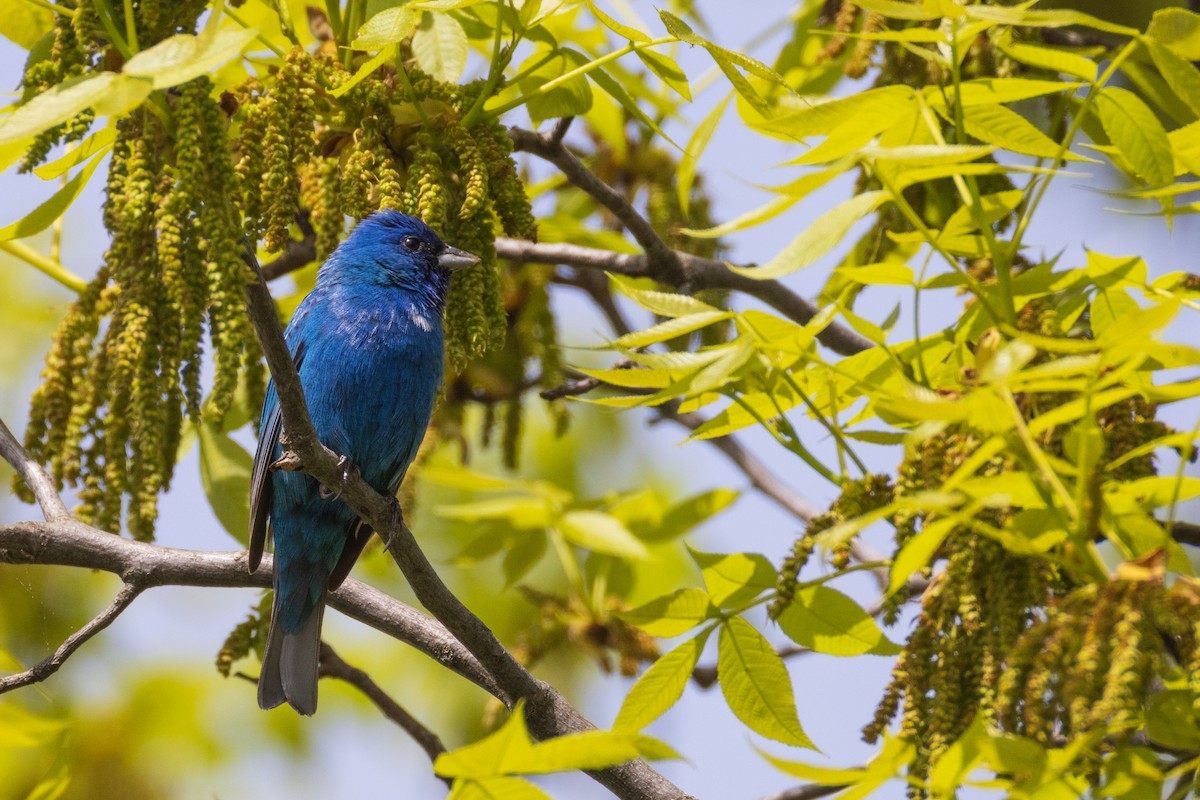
(289, 668)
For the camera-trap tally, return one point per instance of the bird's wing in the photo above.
(354, 546)
(262, 489)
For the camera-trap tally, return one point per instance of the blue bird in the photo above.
(367, 342)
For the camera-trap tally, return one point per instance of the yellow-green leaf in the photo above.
(917, 552)
(389, 26)
(661, 686)
(1043, 57)
(182, 57)
(632, 34)
(667, 70)
(55, 106)
(440, 47)
(601, 533)
(1136, 132)
(524, 513)
(664, 303)
(98, 142)
(25, 23)
(671, 328)
(819, 238)
(734, 578)
(685, 176)
(44, 215)
(1178, 29)
(756, 684)
(225, 475)
(672, 614)
(1179, 73)
(826, 621)
(1003, 127)
(496, 788)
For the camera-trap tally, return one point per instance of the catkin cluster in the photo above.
(1090, 663)
(125, 363)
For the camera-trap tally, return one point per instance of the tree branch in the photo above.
(548, 712)
(333, 666)
(31, 472)
(809, 791)
(44, 669)
(698, 273)
(663, 260)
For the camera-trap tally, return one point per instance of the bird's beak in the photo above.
(453, 259)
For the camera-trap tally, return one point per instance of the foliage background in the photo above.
(186, 732)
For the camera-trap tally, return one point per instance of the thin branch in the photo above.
(809, 791)
(698, 273)
(664, 261)
(31, 472)
(333, 666)
(560, 130)
(548, 712)
(44, 669)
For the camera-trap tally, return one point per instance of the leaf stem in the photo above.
(583, 69)
(45, 265)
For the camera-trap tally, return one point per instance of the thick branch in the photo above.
(71, 543)
(332, 666)
(698, 273)
(549, 714)
(31, 472)
(44, 669)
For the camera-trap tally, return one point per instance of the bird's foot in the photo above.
(397, 521)
(348, 469)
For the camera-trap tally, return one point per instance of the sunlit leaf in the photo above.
(672, 614)
(389, 26)
(1136, 131)
(756, 684)
(225, 475)
(666, 69)
(734, 578)
(661, 686)
(183, 57)
(825, 620)
(601, 533)
(440, 47)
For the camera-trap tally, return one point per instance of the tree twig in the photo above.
(548, 712)
(698, 273)
(664, 261)
(31, 472)
(50, 665)
(333, 666)
(809, 791)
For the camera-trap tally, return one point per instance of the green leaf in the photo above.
(389, 26)
(664, 303)
(523, 512)
(624, 31)
(756, 684)
(685, 176)
(1005, 128)
(373, 63)
(25, 23)
(564, 100)
(734, 578)
(1178, 29)
(1057, 18)
(899, 10)
(440, 47)
(55, 106)
(444, 5)
(689, 513)
(496, 789)
(819, 238)
(917, 552)
(20, 728)
(826, 621)
(1048, 58)
(1179, 73)
(667, 70)
(661, 686)
(1171, 720)
(183, 57)
(817, 116)
(601, 533)
(99, 142)
(225, 468)
(45, 214)
(825, 776)
(673, 614)
(670, 329)
(1136, 132)
(52, 786)
(510, 750)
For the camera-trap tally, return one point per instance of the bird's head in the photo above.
(389, 248)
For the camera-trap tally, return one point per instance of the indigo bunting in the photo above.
(367, 342)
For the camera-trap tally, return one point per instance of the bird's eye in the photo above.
(412, 243)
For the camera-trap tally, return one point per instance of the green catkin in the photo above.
(472, 172)
(67, 59)
(319, 196)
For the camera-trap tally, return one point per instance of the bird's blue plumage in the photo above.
(367, 342)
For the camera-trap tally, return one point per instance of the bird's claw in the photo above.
(348, 469)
